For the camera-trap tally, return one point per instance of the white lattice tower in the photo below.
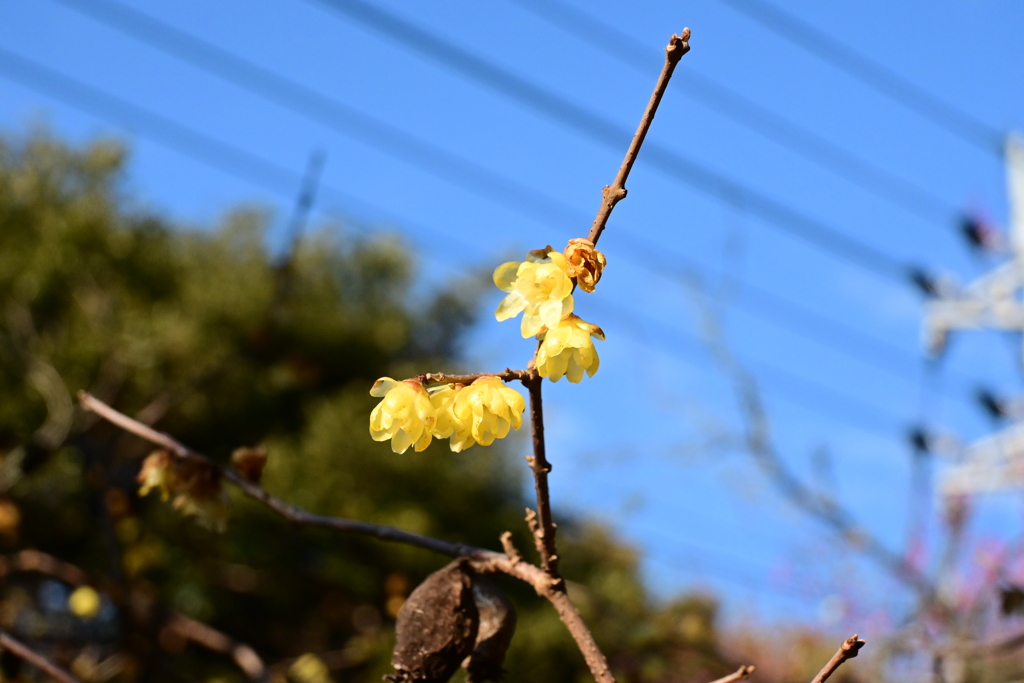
(993, 301)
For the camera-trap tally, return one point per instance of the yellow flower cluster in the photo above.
(465, 415)
(405, 416)
(568, 350)
(541, 289)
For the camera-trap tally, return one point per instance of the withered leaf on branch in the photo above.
(436, 628)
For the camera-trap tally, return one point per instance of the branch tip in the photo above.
(740, 674)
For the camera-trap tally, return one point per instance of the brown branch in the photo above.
(27, 654)
(740, 674)
(36, 561)
(507, 375)
(848, 650)
(542, 526)
(212, 639)
(482, 560)
(611, 194)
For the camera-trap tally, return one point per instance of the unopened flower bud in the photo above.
(584, 262)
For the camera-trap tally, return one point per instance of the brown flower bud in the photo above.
(249, 462)
(585, 263)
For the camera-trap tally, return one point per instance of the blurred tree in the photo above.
(204, 335)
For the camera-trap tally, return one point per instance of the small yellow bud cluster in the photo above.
(196, 487)
(541, 289)
(411, 414)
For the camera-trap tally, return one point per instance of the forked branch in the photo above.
(545, 579)
(482, 560)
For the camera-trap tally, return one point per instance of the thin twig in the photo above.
(740, 674)
(824, 508)
(543, 526)
(611, 194)
(27, 654)
(848, 650)
(482, 560)
(507, 375)
(212, 639)
(37, 561)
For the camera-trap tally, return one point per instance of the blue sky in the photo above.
(832, 337)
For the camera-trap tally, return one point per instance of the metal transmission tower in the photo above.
(993, 301)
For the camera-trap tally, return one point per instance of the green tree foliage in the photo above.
(202, 334)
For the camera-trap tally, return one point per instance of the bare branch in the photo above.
(543, 527)
(27, 654)
(824, 508)
(36, 561)
(611, 194)
(848, 650)
(212, 639)
(482, 561)
(507, 375)
(740, 674)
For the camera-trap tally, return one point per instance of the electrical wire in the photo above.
(464, 172)
(601, 130)
(253, 168)
(953, 119)
(819, 150)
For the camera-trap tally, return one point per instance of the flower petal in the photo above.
(505, 275)
(382, 386)
(511, 306)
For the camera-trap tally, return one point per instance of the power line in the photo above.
(635, 53)
(953, 119)
(601, 130)
(327, 110)
(253, 168)
(188, 141)
(466, 173)
(807, 394)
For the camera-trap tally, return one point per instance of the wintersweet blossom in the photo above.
(568, 349)
(482, 412)
(585, 263)
(442, 396)
(538, 287)
(405, 416)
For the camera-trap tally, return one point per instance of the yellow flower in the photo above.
(442, 397)
(405, 416)
(585, 263)
(480, 413)
(568, 349)
(539, 287)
